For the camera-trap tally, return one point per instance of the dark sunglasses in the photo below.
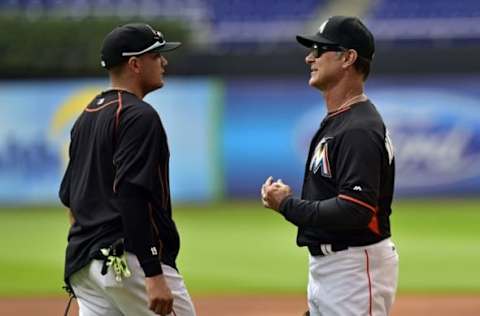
(317, 50)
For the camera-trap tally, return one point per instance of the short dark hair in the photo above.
(118, 68)
(362, 65)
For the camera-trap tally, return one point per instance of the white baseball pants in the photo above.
(102, 295)
(358, 281)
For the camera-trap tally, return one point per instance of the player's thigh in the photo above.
(182, 303)
(131, 297)
(338, 285)
(384, 277)
(311, 300)
(90, 297)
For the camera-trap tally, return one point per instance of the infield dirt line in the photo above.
(262, 305)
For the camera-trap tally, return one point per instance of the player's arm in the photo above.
(64, 192)
(358, 169)
(136, 161)
(135, 210)
(333, 213)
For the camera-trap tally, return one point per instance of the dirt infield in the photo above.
(406, 305)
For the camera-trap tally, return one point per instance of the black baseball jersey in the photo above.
(348, 183)
(117, 183)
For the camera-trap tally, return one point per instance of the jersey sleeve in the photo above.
(358, 167)
(137, 154)
(136, 160)
(64, 192)
(358, 161)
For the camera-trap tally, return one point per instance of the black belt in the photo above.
(326, 249)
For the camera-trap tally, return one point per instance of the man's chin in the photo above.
(160, 84)
(315, 83)
(154, 87)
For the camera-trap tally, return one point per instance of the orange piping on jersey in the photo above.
(101, 107)
(370, 298)
(155, 228)
(165, 185)
(373, 225)
(119, 109)
(167, 192)
(117, 122)
(354, 200)
(348, 105)
(332, 114)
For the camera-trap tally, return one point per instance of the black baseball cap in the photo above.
(133, 39)
(345, 31)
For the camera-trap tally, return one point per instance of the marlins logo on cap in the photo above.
(344, 31)
(322, 27)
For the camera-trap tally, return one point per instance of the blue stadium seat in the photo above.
(415, 20)
(409, 9)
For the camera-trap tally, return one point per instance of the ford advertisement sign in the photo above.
(434, 124)
(436, 134)
(227, 136)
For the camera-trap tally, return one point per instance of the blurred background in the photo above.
(237, 108)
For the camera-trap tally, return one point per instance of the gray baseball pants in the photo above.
(102, 295)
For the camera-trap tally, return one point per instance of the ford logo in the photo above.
(435, 134)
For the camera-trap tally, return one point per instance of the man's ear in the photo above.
(350, 56)
(134, 64)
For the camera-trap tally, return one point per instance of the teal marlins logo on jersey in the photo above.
(320, 158)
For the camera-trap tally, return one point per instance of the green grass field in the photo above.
(240, 247)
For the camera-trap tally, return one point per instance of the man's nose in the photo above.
(309, 58)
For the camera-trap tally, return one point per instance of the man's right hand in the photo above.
(160, 298)
(273, 193)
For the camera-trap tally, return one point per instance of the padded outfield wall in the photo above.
(227, 136)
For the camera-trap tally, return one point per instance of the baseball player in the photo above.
(123, 242)
(343, 213)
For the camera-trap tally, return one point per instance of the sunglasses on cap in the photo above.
(317, 50)
(159, 42)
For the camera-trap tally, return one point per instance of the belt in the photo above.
(326, 249)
